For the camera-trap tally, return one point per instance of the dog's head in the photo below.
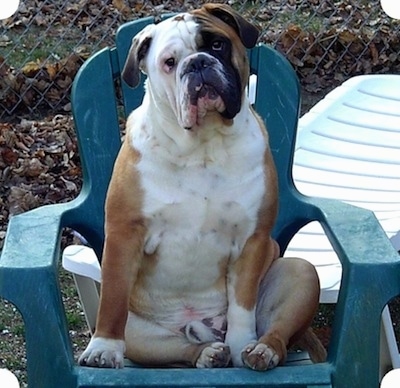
(195, 62)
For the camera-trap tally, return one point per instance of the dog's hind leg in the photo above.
(287, 301)
(150, 344)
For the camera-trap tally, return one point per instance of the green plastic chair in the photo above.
(30, 259)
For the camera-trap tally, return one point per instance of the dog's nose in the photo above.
(199, 63)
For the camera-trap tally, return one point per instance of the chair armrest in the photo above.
(32, 238)
(370, 262)
(355, 233)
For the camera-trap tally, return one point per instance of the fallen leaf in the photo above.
(31, 69)
(8, 155)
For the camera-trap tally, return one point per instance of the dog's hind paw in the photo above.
(214, 355)
(103, 353)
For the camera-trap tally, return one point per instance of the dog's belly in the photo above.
(175, 312)
(192, 238)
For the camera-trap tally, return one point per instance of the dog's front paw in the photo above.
(214, 355)
(258, 356)
(103, 353)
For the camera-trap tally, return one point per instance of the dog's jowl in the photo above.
(190, 274)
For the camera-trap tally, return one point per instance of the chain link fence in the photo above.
(43, 45)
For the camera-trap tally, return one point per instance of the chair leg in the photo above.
(89, 296)
(389, 352)
(82, 262)
(396, 241)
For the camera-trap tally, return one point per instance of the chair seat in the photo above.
(294, 358)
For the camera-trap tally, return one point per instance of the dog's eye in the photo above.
(170, 62)
(217, 45)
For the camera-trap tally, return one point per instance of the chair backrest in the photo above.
(96, 114)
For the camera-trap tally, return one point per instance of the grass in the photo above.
(12, 343)
(29, 48)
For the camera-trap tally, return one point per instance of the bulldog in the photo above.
(190, 273)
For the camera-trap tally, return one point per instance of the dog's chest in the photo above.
(198, 205)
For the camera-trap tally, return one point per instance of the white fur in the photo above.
(174, 39)
(241, 330)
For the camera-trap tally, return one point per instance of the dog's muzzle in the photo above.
(203, 81)
(202, 78)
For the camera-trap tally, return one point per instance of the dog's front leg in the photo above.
(107, 346)
(122, 254)
(244, 276)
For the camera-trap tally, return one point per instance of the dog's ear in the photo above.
(247, 32)
(134, 61)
